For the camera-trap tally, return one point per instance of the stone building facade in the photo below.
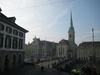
(12, 40)
(67, 48)
(42, 49)
(62, 49)
(88, 50)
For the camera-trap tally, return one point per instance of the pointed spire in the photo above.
(71, 22)
(71, 31)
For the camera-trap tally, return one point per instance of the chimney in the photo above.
(12, 19)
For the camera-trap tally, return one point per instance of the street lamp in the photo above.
(93, 45)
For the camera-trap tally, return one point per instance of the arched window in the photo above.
(19, 60)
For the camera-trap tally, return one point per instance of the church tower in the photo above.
(71, 32)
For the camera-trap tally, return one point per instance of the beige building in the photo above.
(87, 50)
(12, 41)
(42, 49)
(67, 48)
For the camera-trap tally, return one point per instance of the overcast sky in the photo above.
(50, 19)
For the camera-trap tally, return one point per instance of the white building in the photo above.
(12, 40)
(67, 48)
(87, 50)
(62, 48)
(43, 50)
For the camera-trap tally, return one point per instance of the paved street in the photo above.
(30, 70)
(35, 70)
(48, 63)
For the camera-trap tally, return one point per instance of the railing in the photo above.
(85, 65)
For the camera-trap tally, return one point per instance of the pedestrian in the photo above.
(61, 68)
(42, 68)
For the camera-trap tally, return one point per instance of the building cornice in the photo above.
(4, 19)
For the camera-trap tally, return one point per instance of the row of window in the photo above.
(9, 30)
(90, 46)
(61, 50)
(16, 43)
(89, 54)
(97, 52)
(86, 58)
(39, 55)
(35, 51)
(35, 46)
(35, 54)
